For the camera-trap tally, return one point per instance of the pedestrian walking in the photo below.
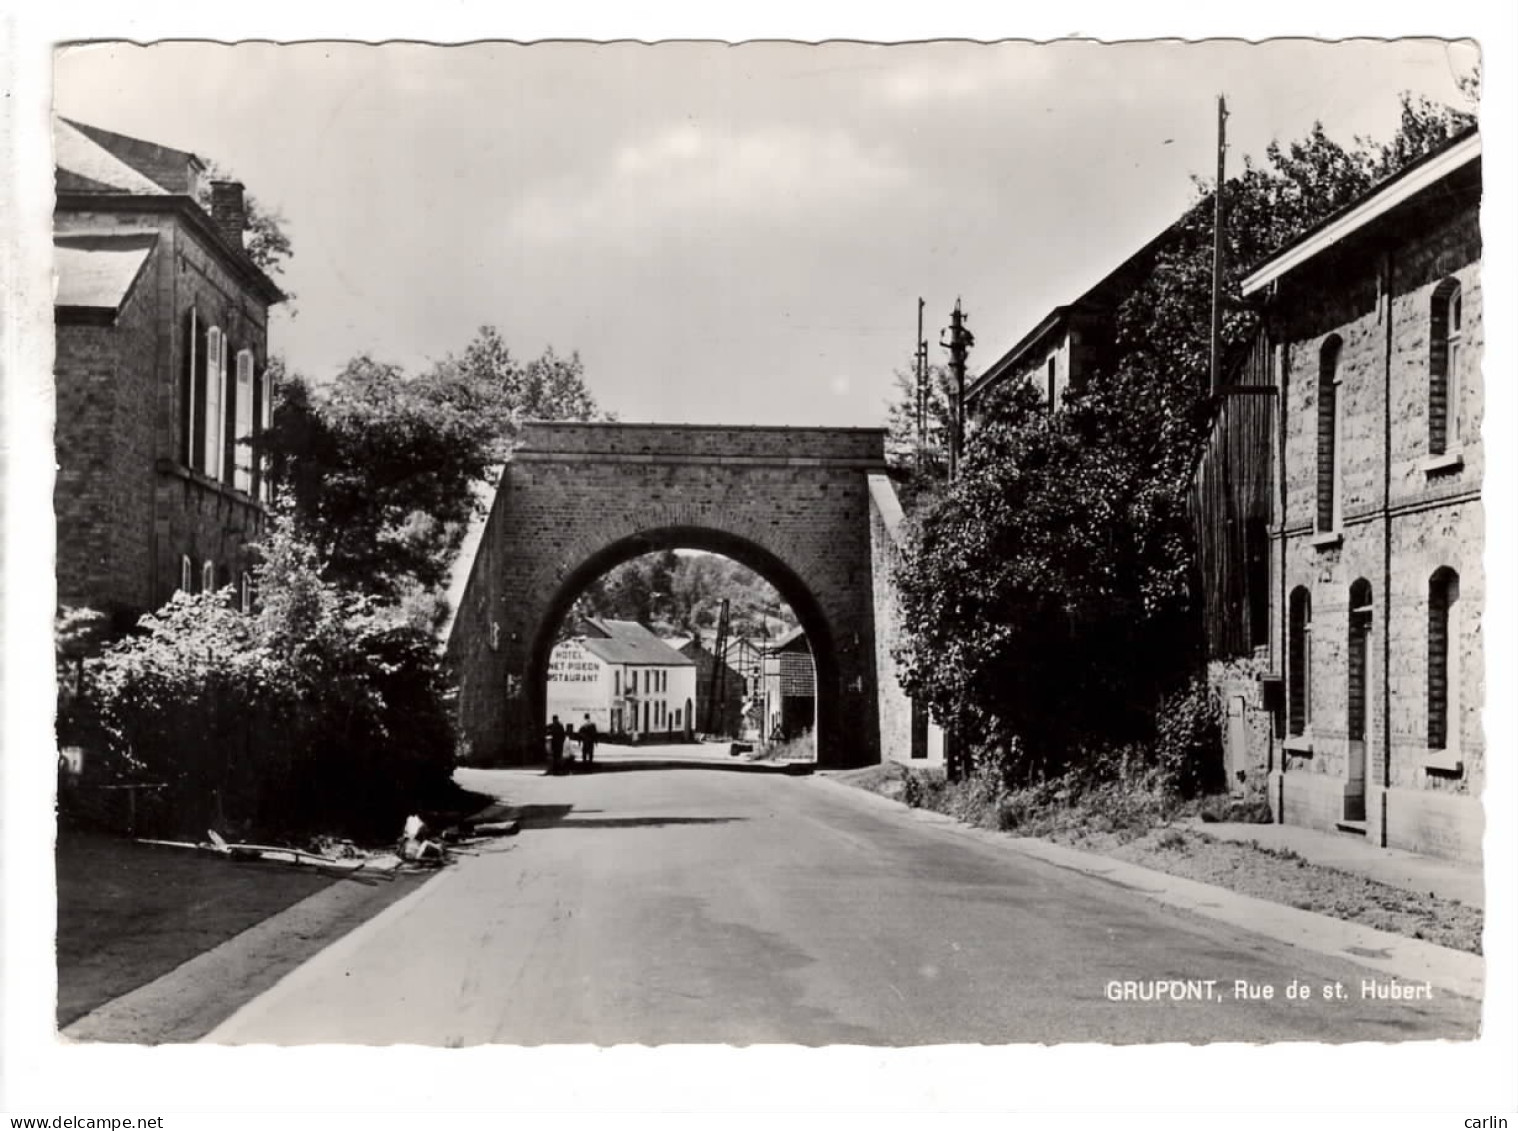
(588, 741)
(556, 737)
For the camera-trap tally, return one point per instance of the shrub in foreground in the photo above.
(323, 713)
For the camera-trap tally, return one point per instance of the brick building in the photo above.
(625, 678)
(161, 323)
(1373, 332)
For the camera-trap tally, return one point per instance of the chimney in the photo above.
(228, 212)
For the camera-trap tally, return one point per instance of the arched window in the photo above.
(1298, 661)
(1443, 660)
(186, 574)
(1444, 339)
(245, 592)
(1329, 435)
(208, 576)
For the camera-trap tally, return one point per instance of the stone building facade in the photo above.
(1375, 326)
(161, 325)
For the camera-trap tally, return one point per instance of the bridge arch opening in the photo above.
(791, 588)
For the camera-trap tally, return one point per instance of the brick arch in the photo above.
(743, 549)
(576, 499)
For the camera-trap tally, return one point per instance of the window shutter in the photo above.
(203, 342)
(1438, 374)
(1438, 663)
(187, 389)
(211, 418)
(242, 427)
(1296, 660)
(1327, 472)
(224, 418)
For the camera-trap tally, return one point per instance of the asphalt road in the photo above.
(644, 904)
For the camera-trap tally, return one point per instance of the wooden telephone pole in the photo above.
(920, 361)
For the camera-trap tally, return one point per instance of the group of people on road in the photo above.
(559, 734)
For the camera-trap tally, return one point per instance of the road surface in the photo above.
(644, 904)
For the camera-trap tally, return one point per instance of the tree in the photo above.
(265, 239)
(683, 594)
(1047, 595)
(378, 470)
(382, 470)
(510, 392)
(919, 478)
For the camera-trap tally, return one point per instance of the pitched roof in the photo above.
(628, 642)
(112, 162)
(787, 643)
(97, 272)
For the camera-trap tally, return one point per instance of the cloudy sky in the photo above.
(729, 234)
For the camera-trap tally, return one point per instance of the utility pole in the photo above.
(921, 368)
(1217, 250)
(958, 345)
(716, 690)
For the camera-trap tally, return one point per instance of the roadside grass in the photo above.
(1137, 818)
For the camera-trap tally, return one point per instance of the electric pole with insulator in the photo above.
(958, 345)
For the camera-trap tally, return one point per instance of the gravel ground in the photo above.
(1284, 877)
(1254, 870)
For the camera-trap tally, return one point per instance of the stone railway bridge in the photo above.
(809, 509)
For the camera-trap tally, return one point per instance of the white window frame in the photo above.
(245, 592)
(242, 452)
(186, 574)
(215, 405)
(208, 576)
(192, 407)
(265, 491)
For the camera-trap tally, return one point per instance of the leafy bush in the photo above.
(323, 713)
(1188, 740)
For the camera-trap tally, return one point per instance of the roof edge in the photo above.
(1397, 189)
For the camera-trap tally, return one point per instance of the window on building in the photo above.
(208, 577)
(266, 422)
(1329, 435)
(245, 592)
(1360, 611)
(1444, 339)
(1299, 661)
(1257, 580)
(214, 431)
(616, 683)
(242, 425)
(1443, 660)
(186, 574)
(1051, 379)
(189, 397)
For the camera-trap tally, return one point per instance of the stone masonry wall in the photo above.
(576, 499)
(1403, 518)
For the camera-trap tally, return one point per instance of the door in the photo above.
(1359, 706)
